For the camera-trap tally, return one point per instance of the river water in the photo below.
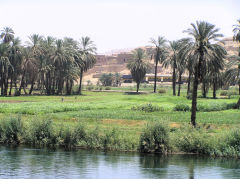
(25, 162)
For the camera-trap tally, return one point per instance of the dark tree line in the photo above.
(44, 63)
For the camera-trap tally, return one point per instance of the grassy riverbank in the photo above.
(115, 121)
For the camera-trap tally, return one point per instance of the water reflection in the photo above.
(41, 163)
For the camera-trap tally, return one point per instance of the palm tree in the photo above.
(4, 66)
(86, 58)
(46, 67)
(159, 55)
(7, 35)
(35, 44)
(204, 35)
(216, 80)
(15, 57)
(172, 61)
(28, 62)
(232, 74)
(138, 66)
(236, 36)
(181, 60)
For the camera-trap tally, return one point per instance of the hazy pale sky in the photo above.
(115, 24)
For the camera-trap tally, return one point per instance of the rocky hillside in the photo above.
(116, 61)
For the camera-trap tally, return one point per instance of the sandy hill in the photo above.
(116, 61)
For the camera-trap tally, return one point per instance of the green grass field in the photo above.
(103, 113)
(113, 109)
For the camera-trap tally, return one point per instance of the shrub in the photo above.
(216, 107)
(93, 139)
(71, 137)
(111, 140)
(162, 90)
(181, 107)
(228, 93)
(155, 138)
(193, 140)
(90, 88)
(189, 96)
(107, 88)
(233, 139)
(147, 108)
(11, 129)
(224, 93)
(41, 132)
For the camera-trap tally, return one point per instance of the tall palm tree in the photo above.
(159, 55)
(138, 66)
(46, 67)
(28, 62)
(172, 62)
(236, 36)
(86, 58)
(60, 58)
(232, 74)
(7, 35)
(35, 44)
(15, 57)
(4, 66)
(181, 60)
(204, 38)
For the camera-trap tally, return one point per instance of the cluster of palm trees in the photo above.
(48, 64)
(201, 56)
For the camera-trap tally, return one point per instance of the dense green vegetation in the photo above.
(116, 121)
(47, 64)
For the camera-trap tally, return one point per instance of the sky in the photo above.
(115, 24)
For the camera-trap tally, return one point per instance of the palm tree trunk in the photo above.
(155, 77)
(174, 79)
(138, 84)
(189, 83)
(194, 99)
(238, 103)
(80, 83)
(22, 81)
(6, 82)
(31, 88)
(214, 90)
(204, 91)
(2, 83)
(179, 83)
(195, 88)
(11, 84)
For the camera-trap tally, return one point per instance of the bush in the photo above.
(224, 93)
(181, 107)
(189, 96)
(228, 93)
(155, 138)
(111, 140)
(107, 88)
(11, 130)
(229, 145)
(90, 88)
(193, 140)
(71, 137)
(233, 139)
(216, 107)
(41, 132)
(147, 108)
(162, 90)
